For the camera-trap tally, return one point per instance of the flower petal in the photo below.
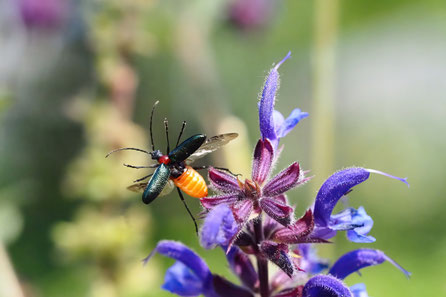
(210, 202)
(278, 254)
(310, 262)
(218, 228)
(357, 223)
(333, 189)
(263, 158)
(358, 259)
(326, 286)
(278, 120)
(284, 181)
(225, 288)
(242, 266)
(291, 121)
(294, 233)
(242, 210)
(181, 281)
(190, 260)
(276, 210)
(266, 106)
(291, 292)
(222, 181)
(359, 290)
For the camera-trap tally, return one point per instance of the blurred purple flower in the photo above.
(250, 14)
(273, 125)
(43, 13)
(359, 290)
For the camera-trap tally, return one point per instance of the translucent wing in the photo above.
(210, 145)
(139, 188)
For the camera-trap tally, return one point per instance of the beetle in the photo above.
(172, 169)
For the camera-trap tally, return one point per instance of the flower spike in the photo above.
(272, 123)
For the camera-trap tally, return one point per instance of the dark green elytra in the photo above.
(186, 148)
(156, 184)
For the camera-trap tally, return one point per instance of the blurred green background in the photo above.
(78, 79)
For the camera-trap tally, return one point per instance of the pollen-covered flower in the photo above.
(259, 193)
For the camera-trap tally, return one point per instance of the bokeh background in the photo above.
(78, 79)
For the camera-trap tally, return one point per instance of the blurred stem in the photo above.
(325, 33)
(9, 283)
(262, 263)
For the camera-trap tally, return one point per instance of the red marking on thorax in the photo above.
(164, 159)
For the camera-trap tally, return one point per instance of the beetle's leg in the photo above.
(188, 210)
(140, 167)
(143, 178)
(219, 168)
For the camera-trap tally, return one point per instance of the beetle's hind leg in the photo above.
(219, 168)
(188, 210)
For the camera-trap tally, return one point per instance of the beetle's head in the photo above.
(156, 154)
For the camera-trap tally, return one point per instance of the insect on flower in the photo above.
(173, 169)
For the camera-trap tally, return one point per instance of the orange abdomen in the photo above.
(192, 183)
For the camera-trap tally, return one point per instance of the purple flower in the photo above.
(256, 195)
(359, 290)
(331, 285)
(43, 13)
(356, 222)
(250, 14)
(190, 275)
(355, 260)
(310, 262)
(273, 125)
(326, 286)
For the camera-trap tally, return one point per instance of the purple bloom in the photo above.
(310, 262)
(43, 13)
(359, 290)
(273, 125)
(358, 259)
(190, 275)
(249, 14)
(325, 286)
(356, 222)
(256, 195)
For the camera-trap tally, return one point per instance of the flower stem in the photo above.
(262, 262)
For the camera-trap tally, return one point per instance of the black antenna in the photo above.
(151, 119)
(166, 126)
(127, 149)
(181, 133)
(188, 210)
